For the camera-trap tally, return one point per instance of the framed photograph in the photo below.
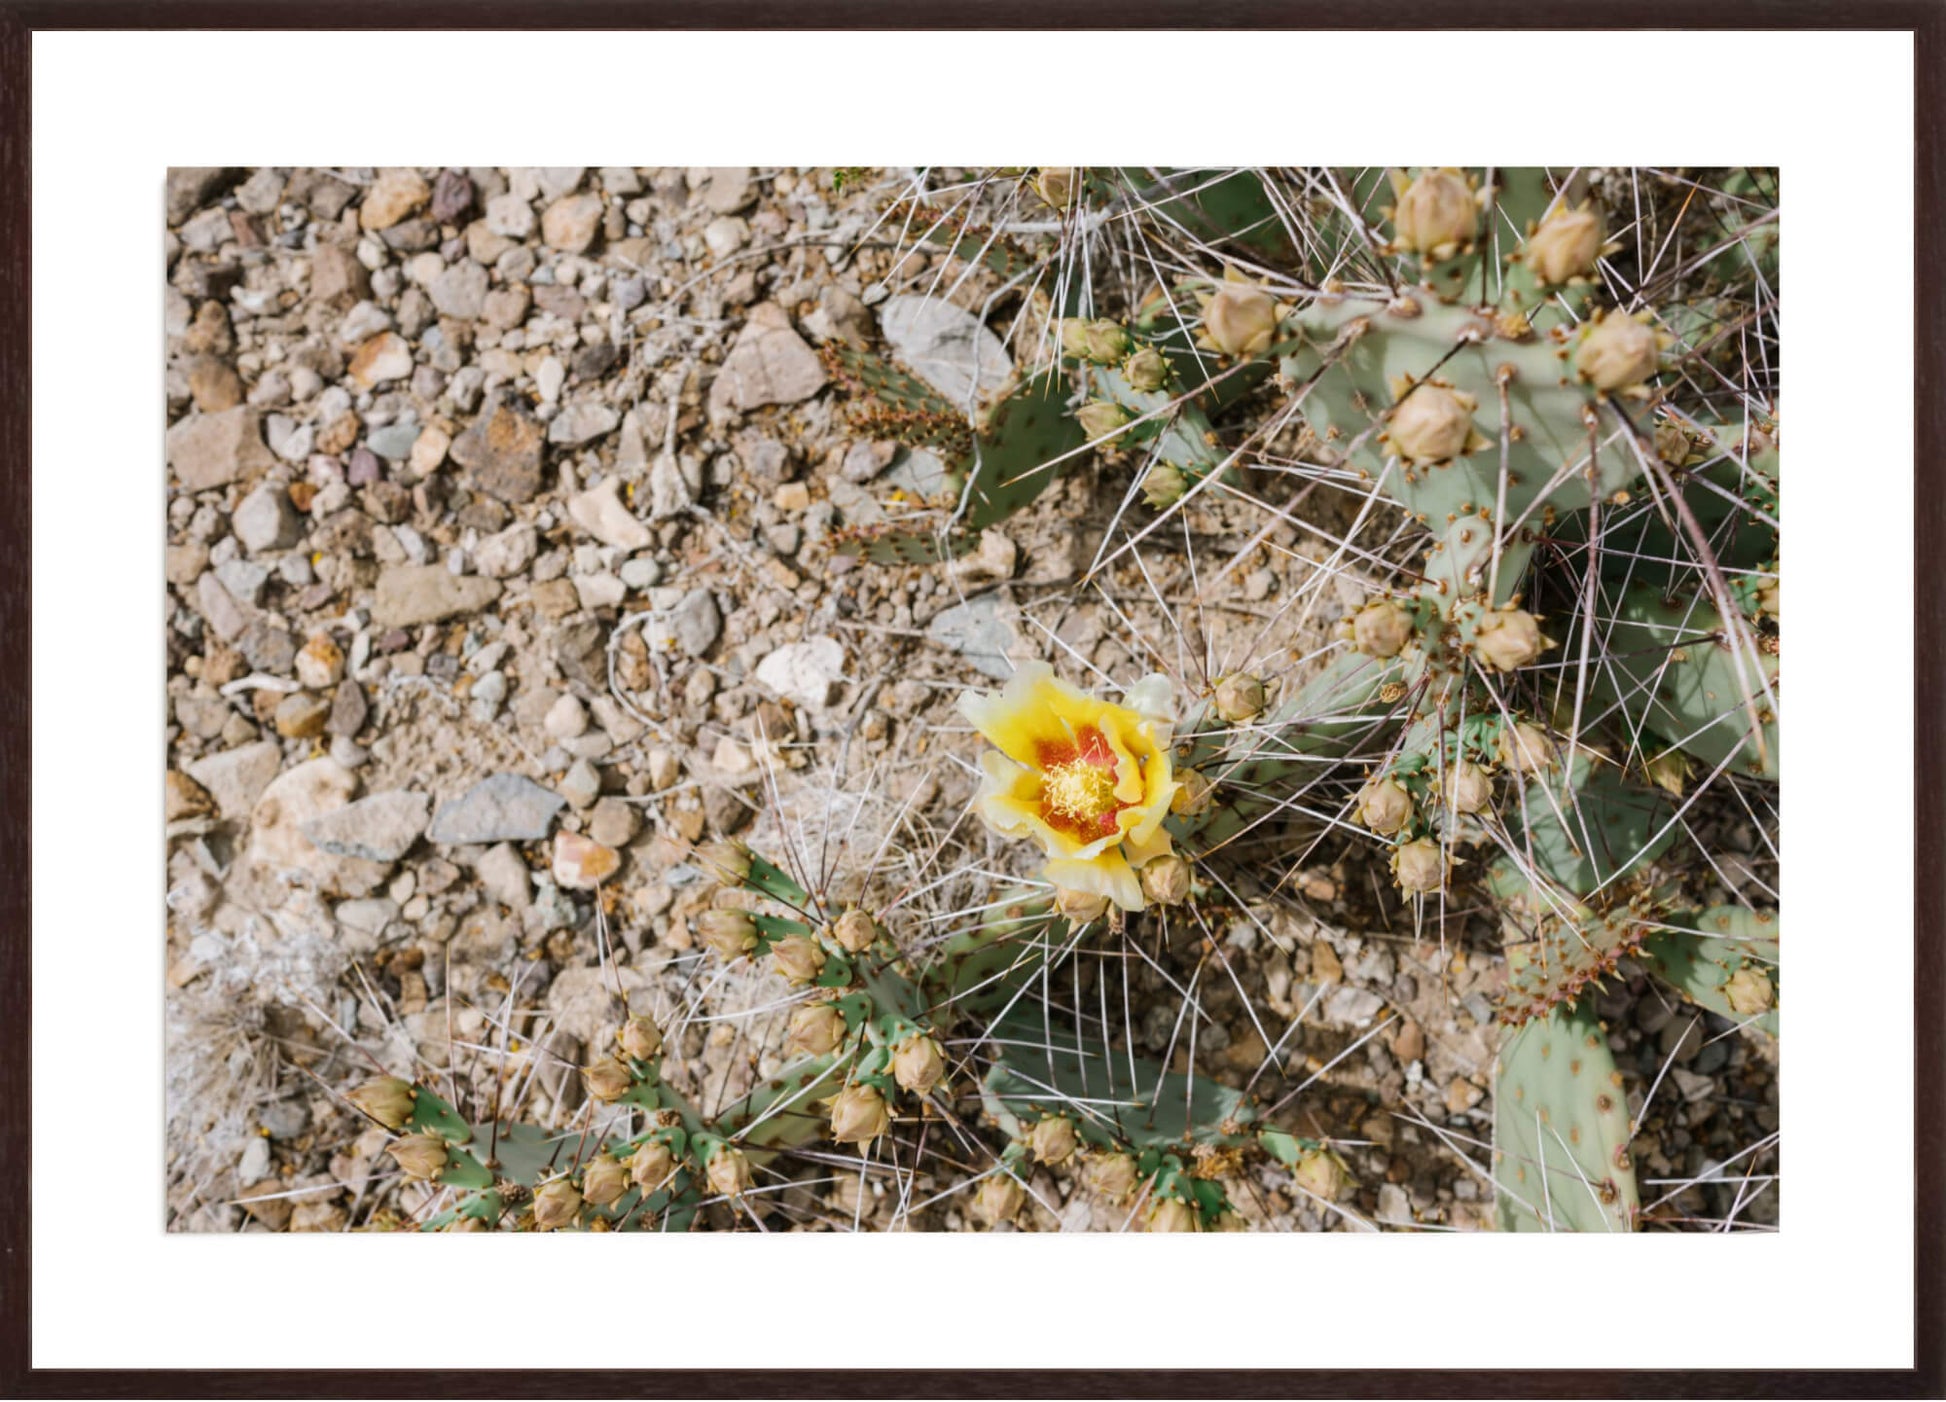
(1124, 777)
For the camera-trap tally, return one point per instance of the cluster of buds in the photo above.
(729, 861)
(859, 1115)
(799, 958)
(1240, 698)
(999, 1199)
(918, 1063)
(729, 1171)
(1112, 1175)
(1618, 354)
(1506, 640)
(651, 1165)
(854, 931)
(1524, 748)
(1166, 880)
(604, 1180)
(1437, 215)
(1565, 246)
(1385, 806)
(1194, 794)
(1053, 1139)
(641, 1038)
(815, 1029)
(1102, 420)
(730, 933)
(1239, 318)
(607, 1080)
(1164, 485)
(1469, 788)
(1433, 424)
(1147, 370)
(1419, 866)
(386, 1099)
(1100, 342)
(1381, 629)
(556, 1205)
(419, 1155)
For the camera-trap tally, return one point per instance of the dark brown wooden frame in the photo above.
(1924, 19)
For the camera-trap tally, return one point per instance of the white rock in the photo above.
(504, 876)
(601, 512)
(566, 718)
(946, 346)
(806, 672)
(296, 799)
(235, 778)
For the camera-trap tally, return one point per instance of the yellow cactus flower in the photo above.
(1088, 780)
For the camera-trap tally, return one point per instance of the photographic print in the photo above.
(858, 699)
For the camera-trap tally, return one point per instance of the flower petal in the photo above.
(1108, 875)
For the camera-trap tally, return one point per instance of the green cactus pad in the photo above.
(1561, 1130)
(1115, 1101)
(1707, 949)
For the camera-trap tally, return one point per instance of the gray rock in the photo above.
(237, 778)
(245, 579)
(1348, 1006)
(186, 188)
(946, 346)
(460, 292)
(504, 808)
(266, 520)
(1394, 1207)
(508, 553)
(381, 828)
(696, 622)
(726, 189)
(394, 441)
(348, 710)
(212, 450)
(222, 614)
(981, 631)
(504, 876)
(412, 594)
(614, 822)
(769, 364)
(582, 422)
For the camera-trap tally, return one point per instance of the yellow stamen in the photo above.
(1079, 790)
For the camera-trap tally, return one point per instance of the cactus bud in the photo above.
(1749, 992)
(729, 932)
(1147, 370)
(1053, 1139)
(858, 1115)
(1108, 342)
(556, 1205)
(816, 1029)
(1172, 1215)
(1165, 880)
(1469, 788)
(1164, 485)
(1672, 443)
(999, 1198)
(1055, 185)
(1524, 748)
(1436, 214)
(798, 958)
(1507, 639)
(1111, 1175)
(1101, 419)
(641, 1038)
(1076, 335)
(1617, 353)
(854, 931)
(1767, 600)
(1384, 806)
(604, 1180)
(607, 1080)
(1432, 424)
(651, 1165)
(1193, 795)
(1229, 1220)
(1566, 245)
(1240, 319)
(419, 1155)
(918, 1064)
(728, 861)
(1318, 1171)
(729, 1171)
(1419, 866)
(1239, 698)
(1381, 629)
(1079, 907)
(386, 1099)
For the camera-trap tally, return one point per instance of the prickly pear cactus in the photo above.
(1561, 1133)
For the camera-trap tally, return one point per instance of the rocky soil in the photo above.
(500, 509)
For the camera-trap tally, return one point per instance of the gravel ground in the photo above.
(500, 506)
